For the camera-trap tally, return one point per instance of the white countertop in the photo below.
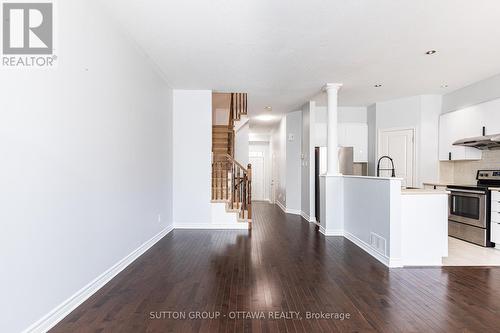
(420, 191)
(438, 183)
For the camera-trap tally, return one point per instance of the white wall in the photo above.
(429, 138)
(241, 144)
(278, 156)
(373, 205)
(306, 159)
(192, 158)
(263, 147)
(320, 131)
(400, 113)
(346, 114)
(259, 137)
(86, 164)
(476, 93)
(293, 160)
(418, 112)
(372, 139)
(352, 114)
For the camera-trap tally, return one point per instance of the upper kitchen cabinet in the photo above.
(467, 123)
(458, 125)
(355, 135)
(489, 115)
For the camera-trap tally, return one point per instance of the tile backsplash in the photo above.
(464, 172)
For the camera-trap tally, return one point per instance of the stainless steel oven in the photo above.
(468, 206)
(469, 215)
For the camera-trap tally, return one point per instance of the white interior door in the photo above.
(257, 163)
(398, 145)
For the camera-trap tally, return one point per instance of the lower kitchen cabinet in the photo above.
(495, 232)
(495, 217)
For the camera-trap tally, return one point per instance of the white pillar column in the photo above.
(332, 90)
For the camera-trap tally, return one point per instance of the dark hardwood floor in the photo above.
(284, 265)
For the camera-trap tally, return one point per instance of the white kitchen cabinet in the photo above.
(446, 135)
(495, 207)
(454, 126)
(489, 116)
(495, 233)
(466, 123)
(355, 135)
(495, 217)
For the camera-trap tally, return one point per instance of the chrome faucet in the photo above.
(393, 174)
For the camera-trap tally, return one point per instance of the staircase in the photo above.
(231, 181)
(222, 140)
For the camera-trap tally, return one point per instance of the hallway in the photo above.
(284, 265)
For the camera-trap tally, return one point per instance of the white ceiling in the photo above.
(282, 52)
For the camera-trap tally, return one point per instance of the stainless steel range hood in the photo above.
(487, 142)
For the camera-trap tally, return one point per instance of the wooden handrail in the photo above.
(232, 182)
(229, 157)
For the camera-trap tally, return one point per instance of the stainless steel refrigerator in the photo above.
(346, 160)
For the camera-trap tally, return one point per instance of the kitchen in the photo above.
(428, 137)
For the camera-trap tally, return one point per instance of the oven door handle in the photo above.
(452, 190)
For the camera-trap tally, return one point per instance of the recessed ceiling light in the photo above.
(431, 52)
(377, 85)
(268, 108)
(265, 117)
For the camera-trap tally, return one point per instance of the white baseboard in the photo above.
(288, 210)
(280, 205)
(389, 262)
(307, 217)
(210, 226)
(331, 232)
(62, 310)
(293, 211)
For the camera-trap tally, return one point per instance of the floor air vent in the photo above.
(377, 242)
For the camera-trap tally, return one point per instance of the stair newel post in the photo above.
(235, 184)
(243, 194)
(249, 191)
